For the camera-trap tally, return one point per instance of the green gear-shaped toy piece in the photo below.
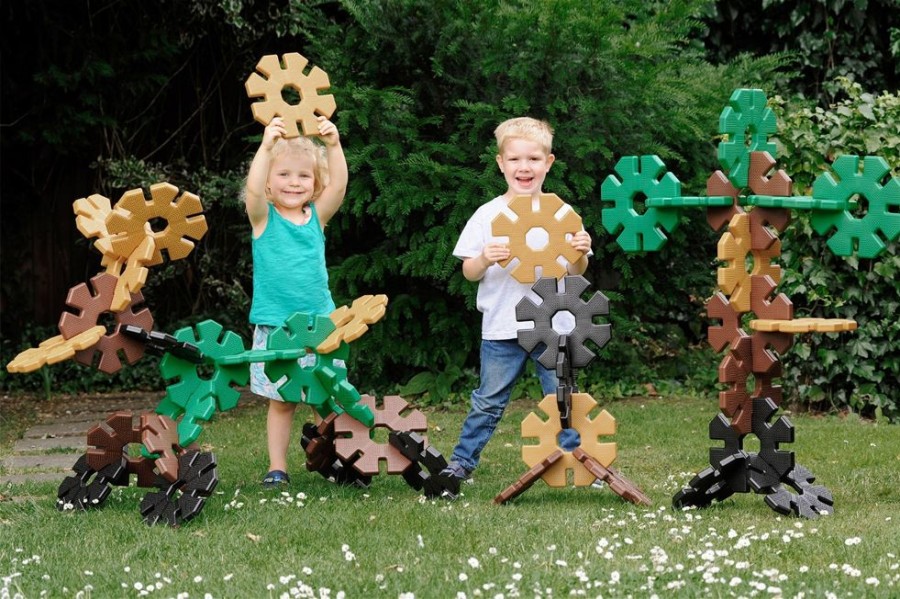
(214, 344)
(306, 332)
(879, 219)
(748, 122)
(640, 175)
(200, 407)
(345, 394)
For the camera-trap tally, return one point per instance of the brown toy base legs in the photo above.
(529, 478)
(619, 485)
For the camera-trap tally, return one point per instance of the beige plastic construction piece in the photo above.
(543, 217)
(55, 349)
(353, 321)
(132, 277)
(804, 325)
(733, 279)
(274, 79)
(589, 430)
(130, 222)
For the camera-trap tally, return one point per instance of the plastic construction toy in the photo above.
(565, 350)
(204, 363)
(754, 325)
(273, 79)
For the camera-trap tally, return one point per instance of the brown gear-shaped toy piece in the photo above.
(764, 361)
(160, 435)
(91, 306)
(718, 184)
(778, 307)
(545, 218)
(729, 332)
(761, 219)
(735, 402)
(618, 484)
(108, 442)
(733, 279)
(589, 429)
(762, 259)
(778, 183)
(55, 349)
(291, 76)
(353, 321)
(132, 218)
(360, 448)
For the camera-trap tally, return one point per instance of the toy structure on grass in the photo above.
(538, 238)
(755, 325)
(206, 363)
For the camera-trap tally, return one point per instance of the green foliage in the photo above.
(859, 370)
(827, 39)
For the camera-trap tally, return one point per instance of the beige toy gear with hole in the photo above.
(129, 223)
(589, 429)
(275, 78)
(733, 278)
(353, 321)
(545, 218)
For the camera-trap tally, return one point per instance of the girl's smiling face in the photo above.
(292, 180)
(524, 165)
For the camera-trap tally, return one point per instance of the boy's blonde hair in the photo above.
(525, 127)
(304, 146)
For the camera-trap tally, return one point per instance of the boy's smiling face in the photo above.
(524, 165)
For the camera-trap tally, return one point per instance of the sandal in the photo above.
(276, 478)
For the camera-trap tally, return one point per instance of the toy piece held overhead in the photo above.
(274, 79)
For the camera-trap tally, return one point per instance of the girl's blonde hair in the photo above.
(304, 146)
(525, 127)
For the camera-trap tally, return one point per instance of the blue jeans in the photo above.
(502, 363)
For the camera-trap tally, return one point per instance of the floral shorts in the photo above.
(259, 382)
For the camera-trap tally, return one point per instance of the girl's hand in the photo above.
(328, 132)
(274, 131)
(581, 241)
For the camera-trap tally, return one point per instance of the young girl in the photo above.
(294, 187)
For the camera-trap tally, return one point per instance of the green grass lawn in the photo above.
(321, 540)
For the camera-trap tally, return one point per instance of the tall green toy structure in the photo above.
(755, 325)
(207, 362)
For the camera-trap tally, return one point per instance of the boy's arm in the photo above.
(255, 200)
(581, 241)
(475, 267)
(331, 198)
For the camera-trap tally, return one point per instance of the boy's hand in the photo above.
(274, 131)
(494, 252)
(328, 132)
(581, 241)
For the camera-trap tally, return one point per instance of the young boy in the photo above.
(524, 158)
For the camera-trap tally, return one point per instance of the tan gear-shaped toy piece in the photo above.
(55, 349)
(291, 76)
(131, 275)
(91, 213)
(543, 218)
(804, 325)
(360, 442)
(733, 247)
(130, 222)
(589, 430)
(353, 321)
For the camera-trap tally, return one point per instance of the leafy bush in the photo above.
(859, 370)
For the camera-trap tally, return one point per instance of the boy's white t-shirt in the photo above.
(498, 291)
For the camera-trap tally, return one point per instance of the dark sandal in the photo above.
(276, 478)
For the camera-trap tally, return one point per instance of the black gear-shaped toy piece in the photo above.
(771, 464)
(89, 488)
(720, 429)
(567, 301)
(710, 484)
(321, 455)
(428, 480)
(182, 500)
(809, 501)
